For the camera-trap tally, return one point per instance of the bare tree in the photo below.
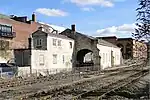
(143, 21)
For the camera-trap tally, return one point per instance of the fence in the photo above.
(26, 71)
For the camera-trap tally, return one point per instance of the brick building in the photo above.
(22, 29)
(130, 48)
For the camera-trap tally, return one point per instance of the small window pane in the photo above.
(70, 44)
(54, 58)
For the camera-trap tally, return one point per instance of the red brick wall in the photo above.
(23, 30)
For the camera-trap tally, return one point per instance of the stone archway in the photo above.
(128, 51)
(82, 56)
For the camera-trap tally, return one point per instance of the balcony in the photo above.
(7, 34)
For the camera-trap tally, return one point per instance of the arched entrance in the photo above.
(84, 58)
(128, 51)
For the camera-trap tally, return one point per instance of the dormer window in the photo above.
(39, 43)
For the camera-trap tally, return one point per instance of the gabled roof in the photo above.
(53, 35)
(107, 37)
(101, 42)
(4, 16)
(69, 31)
(55, 27)
(105, 43)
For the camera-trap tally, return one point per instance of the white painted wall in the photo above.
(105, 54)
(60, 51)
(2, 60)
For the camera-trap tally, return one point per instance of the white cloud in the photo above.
(105, 3)
(123, 30)
(51, 12)
(87, 9)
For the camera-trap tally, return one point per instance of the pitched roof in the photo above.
(105, 43)
(54, 35)
(69, 30)
(4, 16)
(101, 42)
(56, 27)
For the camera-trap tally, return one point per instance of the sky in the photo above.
(91, 17)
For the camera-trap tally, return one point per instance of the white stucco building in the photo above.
(109, 53)
(51, 51)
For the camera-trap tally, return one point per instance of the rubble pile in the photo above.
(134, 61)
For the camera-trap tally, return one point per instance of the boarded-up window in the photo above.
(41, 59)
(54, 58)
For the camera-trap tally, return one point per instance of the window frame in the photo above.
(70, 45)
(39, 42)
(54, 58)
(54, 42)
(59, 42)
(41, 59)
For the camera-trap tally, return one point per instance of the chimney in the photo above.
(33, 17)
(73, 27)
(41, 28)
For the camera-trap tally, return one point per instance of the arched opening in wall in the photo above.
(128, 51)
(121, 46)
(84, 58)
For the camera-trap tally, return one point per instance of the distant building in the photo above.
(22, 28)
(50, 51)
(130, 48)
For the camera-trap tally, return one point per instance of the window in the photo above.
(106, 57)
(103, 57)
(59, 42)
(70, 44)
(109, 57)
(5, 30)
(63, 57)
(54, 58)
(41, 59)
(54, 42)
(39, 42)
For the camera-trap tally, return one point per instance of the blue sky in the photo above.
(93, 17)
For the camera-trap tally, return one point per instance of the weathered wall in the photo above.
(110, 56)
(23, 30)
(85, 43)
(42, 60)
(6, 53)
(139, 49)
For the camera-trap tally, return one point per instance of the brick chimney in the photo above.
(73, 27)
(33, 17)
